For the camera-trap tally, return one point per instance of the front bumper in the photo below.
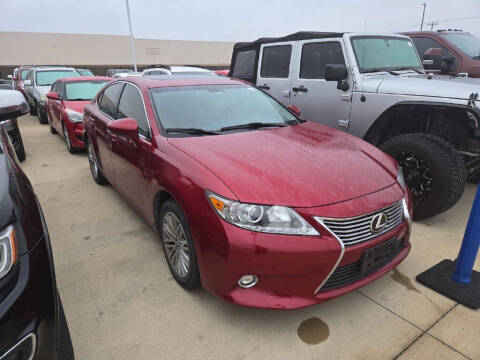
(290, 269)
(29, 304)
(75, 132)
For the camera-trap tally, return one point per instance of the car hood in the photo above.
(441, 86)
(77, 106)
(300, 166)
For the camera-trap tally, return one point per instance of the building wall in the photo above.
(103, 51)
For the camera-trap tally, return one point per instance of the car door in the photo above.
(274, 68)
(130, 157)
(56, 107)
(106, 112)
(320, 100)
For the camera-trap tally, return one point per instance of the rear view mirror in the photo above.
(12, 104)
(27, 82)
(126, 126)
(53, 95)
(294, 109)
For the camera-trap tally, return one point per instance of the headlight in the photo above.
(8, 254)
(261, 218)
(74, 116)
(400, 178)
(43, 98)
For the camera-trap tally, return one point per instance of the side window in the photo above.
(244, 63)
(56, 87)
(315, 56)
(109, 100)
(423, 44)
(131, 106)
(276, 61)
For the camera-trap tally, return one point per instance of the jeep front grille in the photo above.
(352, 231)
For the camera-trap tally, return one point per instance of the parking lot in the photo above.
(122, 303)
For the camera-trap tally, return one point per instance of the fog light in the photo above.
(247, 281)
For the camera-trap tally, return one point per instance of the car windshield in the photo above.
(213, 107)
(383, 53)
(24, 74)
(83, 90)
(467, 43)
(48, 77)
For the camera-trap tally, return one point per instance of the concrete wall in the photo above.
(103, 51)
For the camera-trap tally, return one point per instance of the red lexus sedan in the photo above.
(259, 207)
(65, 104)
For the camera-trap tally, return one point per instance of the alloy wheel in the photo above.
(418, 175)
(92, 160)
(67, 138)
(176, 245)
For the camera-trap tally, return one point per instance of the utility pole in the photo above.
(132, 40)
(432, 24)
(423, 15)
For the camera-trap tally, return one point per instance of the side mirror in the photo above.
(12, 105)
(432, 59)
(337, 72)
(53, 95)
(10, 77)
(126, 126)
(27, 82)
(294, 109)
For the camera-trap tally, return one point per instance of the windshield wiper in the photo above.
(391, 72)
(79, 99)
(194, 131)
(252, 125)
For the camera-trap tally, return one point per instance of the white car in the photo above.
(122, 75)
(178, 70)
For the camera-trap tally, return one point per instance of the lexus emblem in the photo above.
(378, 222)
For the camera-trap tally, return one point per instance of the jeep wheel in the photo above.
(433, 169)
(41, 117)
(33, 109)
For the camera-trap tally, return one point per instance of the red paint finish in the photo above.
(314, 169)
(58, 115)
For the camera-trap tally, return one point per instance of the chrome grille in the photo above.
(355, 230)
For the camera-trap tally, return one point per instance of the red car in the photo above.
(223, 72)
(64, 107)
(259, 207)
(22, 73)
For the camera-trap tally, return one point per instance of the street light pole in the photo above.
(423, 15)
(132, 40)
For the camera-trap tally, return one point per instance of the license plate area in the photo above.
(375, 257)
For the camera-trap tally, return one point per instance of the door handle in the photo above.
(300, 89)
(264, 87)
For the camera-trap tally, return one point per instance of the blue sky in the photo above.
(232, 20)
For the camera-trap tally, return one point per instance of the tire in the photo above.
(177, 241)
(33, 109)
(65, 347)
(434, 170)
(71, 149)
(52, 129)
(41, 117)
(20, 149)
(94, 169)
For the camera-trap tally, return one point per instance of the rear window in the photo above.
(48, 77)
(276, 61)
(244, 63)
(85, 90)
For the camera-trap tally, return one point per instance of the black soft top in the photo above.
(301, 35)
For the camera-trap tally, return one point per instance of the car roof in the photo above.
(85, 78)
(159, 81)
(52, 68)
(300, 35)
(188, 68)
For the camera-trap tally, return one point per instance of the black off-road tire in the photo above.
(192, 279)
(446, 166)
(41, 118)
(33, 109)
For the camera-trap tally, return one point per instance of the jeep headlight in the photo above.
(8, 255)
(43, 98)
(401, 178)
(74, 116)
(262, 218)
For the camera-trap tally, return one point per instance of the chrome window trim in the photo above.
(340, 257)
(34, 346)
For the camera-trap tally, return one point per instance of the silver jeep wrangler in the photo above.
(374, 86)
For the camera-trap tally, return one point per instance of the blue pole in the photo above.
(470, 244)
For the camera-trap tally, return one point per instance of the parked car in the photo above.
(38, 83)
(85, 72)
(111, 72)
(32, 321)
(448, 51)
(122, 75)
(261, 208)
(19, 78)
(10, 125)
(374, 86)
(178, 70)
(65, 103)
